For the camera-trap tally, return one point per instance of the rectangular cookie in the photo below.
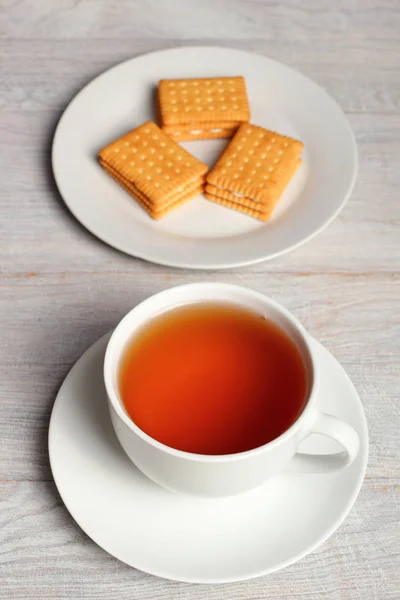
(157, 172)
(195, 109)
(254, 169)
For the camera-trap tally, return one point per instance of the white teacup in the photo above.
(235, 473)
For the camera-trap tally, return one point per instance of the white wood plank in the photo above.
(29, 392)
(48, 321)
(39, 234)
(60, 288)
(362, 77)
(184, 19)
(47, 556)
(51, 319)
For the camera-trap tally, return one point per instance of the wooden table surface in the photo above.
(61, 288)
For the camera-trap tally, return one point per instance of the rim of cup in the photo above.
(113, 356)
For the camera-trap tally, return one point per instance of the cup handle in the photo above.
(339, 431)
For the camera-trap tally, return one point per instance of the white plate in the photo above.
(182, 537)
(202, 234)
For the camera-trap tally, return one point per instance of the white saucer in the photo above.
(202, 234)
(182, 537)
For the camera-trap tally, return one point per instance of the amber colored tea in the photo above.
(213, 379)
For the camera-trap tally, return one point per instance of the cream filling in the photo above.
(197, 131)
(237, 194)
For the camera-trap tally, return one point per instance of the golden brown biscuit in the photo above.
(238, 198)
(160, 211)
(255, 168)
(154, 169)
(256, 214)
(134, 191)
(202, 108)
